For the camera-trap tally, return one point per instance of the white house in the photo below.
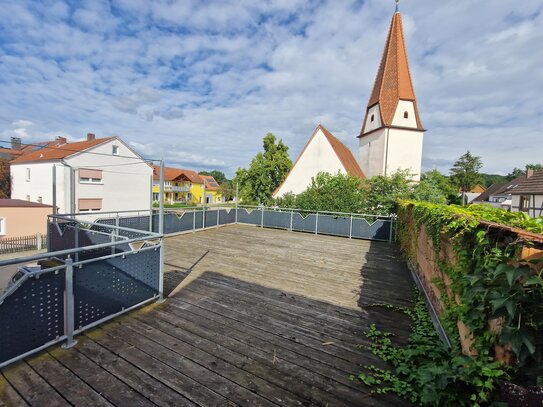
(92, 175)
(392, 133)
(528, 195)
(322, 153)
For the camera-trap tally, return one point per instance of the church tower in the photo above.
(392, 133)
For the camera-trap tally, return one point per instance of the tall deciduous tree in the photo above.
(5, 179)
(465, 173)
(436, 188)
(517, 172)
(266, 172)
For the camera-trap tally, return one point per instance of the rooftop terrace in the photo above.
(254, 317)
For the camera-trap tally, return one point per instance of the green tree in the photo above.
(218, 175)
(226, 190)
(465, 173)
(517, 172)
(383, 192)
(266, 172)
(327, 192)
(436, 188)
(5, 179)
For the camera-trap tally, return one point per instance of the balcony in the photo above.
(255, 316)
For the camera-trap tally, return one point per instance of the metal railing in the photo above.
(94, 272)
(351, 225)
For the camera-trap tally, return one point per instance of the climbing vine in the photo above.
(495, 294)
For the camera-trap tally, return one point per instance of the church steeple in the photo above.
(392, 85)
(392, 135)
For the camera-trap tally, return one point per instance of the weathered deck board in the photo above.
(256, 317)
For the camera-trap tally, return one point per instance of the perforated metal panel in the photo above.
(62, 236)
(33, 315)
(173, 223)
(106, 287)
(378, 230)
(303, 224)
(135, 222)
(334, 225)
(227, 216)
(211, 218)
(276, 219)
(252, 217)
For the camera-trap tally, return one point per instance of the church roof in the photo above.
(393, 82)
(343, 153)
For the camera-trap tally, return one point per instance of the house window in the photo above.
(524, 203)
(27, 174)
(90, 176)
(405, 115)
(2, 226)
(372, 118)
(40, 200)
(89, 205)
(115, 150)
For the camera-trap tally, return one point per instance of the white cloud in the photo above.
(202, 82)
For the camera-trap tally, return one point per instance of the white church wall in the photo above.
(319, 156)
(404, 151)
(399, 119)
(372, 152)
(376, 123)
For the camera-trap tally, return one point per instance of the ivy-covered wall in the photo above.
(483, 270)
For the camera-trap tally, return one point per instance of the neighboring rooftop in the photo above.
(532, 184)
(180, 174)
(20, 203)
(58, 149)
(504, 188)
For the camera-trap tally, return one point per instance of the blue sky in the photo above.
(200, 83)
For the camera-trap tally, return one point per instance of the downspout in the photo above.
(72, 185)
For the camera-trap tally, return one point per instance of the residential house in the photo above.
(185, 186)
(102, 174)
(322, 153)
(23, 218)
(499, 195)
(528, 195)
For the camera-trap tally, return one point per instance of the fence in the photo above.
(22, 243)
(93, 273)
(351, 225)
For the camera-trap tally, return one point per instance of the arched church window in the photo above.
(372, 117)
(405, 115)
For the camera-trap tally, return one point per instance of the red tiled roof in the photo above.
(20, 203)
(171, 174)
(211, 184)
(57, 151)
(393, 82)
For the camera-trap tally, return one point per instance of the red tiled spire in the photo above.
(393, 81)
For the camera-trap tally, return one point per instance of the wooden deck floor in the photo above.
(255, 317)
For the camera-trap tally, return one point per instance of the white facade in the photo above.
(390, 149)
(124, 182)
(530, 203)
(317, 156)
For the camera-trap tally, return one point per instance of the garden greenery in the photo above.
(494, 293)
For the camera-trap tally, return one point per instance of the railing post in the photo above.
(76, 255)
(39, 241)
(262, 217)
(317, 224)
(69, 309)
(391, 229)
(194, 220)
(291, 216)
(237, 199)
(218, 211)
(351, 227)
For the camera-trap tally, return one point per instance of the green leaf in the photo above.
(534, 280)
(498, 303)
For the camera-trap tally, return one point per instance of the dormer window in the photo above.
(372, 118)
(406, 115)
(115, 150)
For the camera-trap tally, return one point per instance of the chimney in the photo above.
(90, 136)
(15, 143)
(61, 140)
(529, 173)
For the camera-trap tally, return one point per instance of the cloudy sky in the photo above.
(201, 82)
